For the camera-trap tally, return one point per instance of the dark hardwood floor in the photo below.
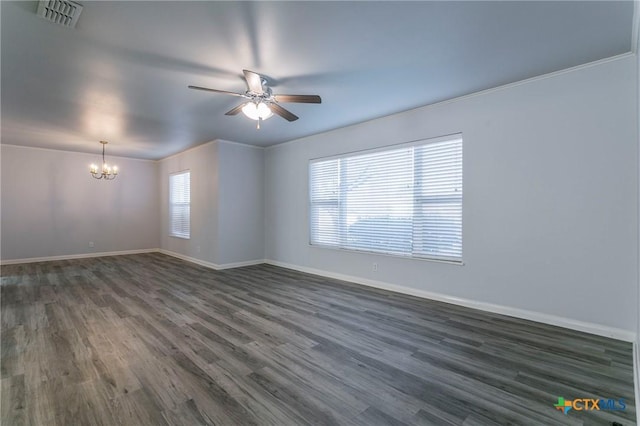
(152, 340)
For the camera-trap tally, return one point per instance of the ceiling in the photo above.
(122, 74)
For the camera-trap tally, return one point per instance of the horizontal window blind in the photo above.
(405, 200)
(180, 204)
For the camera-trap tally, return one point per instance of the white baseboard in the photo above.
(124, 252)
(76, 256)
(211, 264)
(569, 323)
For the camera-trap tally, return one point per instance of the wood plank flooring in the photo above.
(151, 340)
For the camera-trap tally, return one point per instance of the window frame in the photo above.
(419, 200)
(172, 204)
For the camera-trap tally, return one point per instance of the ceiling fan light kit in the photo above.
(259, 111)
(262, 103)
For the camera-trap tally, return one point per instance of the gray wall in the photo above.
(240, 203)
(51, 206)
(638, 136)
(226, 203)
(202, 161)
(550, 196)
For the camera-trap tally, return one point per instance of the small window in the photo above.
(404, 200)
(180, 204)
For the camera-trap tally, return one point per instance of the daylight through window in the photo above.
(403, 200)
(180, 204)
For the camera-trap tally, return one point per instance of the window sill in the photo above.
(182, 237)
(396, 256)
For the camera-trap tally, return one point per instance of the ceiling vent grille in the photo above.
(65, 13)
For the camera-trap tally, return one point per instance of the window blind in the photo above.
(404, 200)
(180, 204)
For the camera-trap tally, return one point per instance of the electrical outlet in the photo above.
(198, 249)
(91, 245)
(375, 267)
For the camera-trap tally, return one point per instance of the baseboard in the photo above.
(569, 323)
(124, 252)
(211, 264)
(76, 256)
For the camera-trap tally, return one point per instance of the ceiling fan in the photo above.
(261, 102)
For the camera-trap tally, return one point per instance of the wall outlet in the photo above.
(198, 249)
(91, 245)
(375, 267)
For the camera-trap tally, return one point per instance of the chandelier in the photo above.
(107, 172)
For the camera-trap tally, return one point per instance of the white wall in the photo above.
(51, 206)
(226, 203)
(550, 219)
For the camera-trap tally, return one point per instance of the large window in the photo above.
(403, 200)
(180, 204)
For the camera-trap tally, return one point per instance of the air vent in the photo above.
(65, 13)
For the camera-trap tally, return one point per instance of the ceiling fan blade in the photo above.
(216, 91)
(254, 82)
(287, 115)
(235, 110)
(303, 99)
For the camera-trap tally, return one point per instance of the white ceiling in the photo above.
(122, 74)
